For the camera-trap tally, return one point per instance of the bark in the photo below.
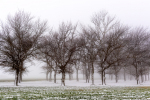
(63, 79)
(137, 81)
(148, 76)
(145, 77)
(92, 74)
(47, 75)
(137, 77)
(70, 76)
(102, 77)
(87, 76)
(124, 75)
(77, 78)
(84, 73)
(111, 76)
(50, 75)
(17, 76)
(116, 77)
(55, 76)
(20, 77)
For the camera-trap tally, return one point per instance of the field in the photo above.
(74, 91)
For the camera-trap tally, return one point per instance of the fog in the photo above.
(133, 13)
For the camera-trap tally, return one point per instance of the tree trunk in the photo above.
(77, 78)
(116, 77)
(47, 75)
(19, 80)
(137, 76)
(55, 76)
(111, 76)
(102, 77)
(137, 81)
(20, 73)
(148, 76)
(84, 73)
(142, 78)
(63, 79)
(50, 76)
(124, 75)
(87, 76)
(92, 76)
(20, 77)
(17, 76)
(145, 77)
(70, 76)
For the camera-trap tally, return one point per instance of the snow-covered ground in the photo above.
(80, 83)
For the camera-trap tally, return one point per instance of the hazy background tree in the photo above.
(138, 51)
(90, 48)
(107, 29)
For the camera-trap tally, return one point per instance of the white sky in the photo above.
(131, 12)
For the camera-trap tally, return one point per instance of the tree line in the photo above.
(105, 46)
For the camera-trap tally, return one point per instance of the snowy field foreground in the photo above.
(44, 90)
(80, 83)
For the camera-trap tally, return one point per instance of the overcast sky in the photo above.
(131, 12)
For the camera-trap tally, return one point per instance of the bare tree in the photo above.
(138, 51)
(44, 54)
(63, 46)
(107, 51)
(77, 67)
(85, 64)
(104, 26)
(90, 48)
(19, 41)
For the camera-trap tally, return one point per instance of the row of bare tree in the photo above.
(106, 46)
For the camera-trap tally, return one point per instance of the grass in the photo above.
(75, 93)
